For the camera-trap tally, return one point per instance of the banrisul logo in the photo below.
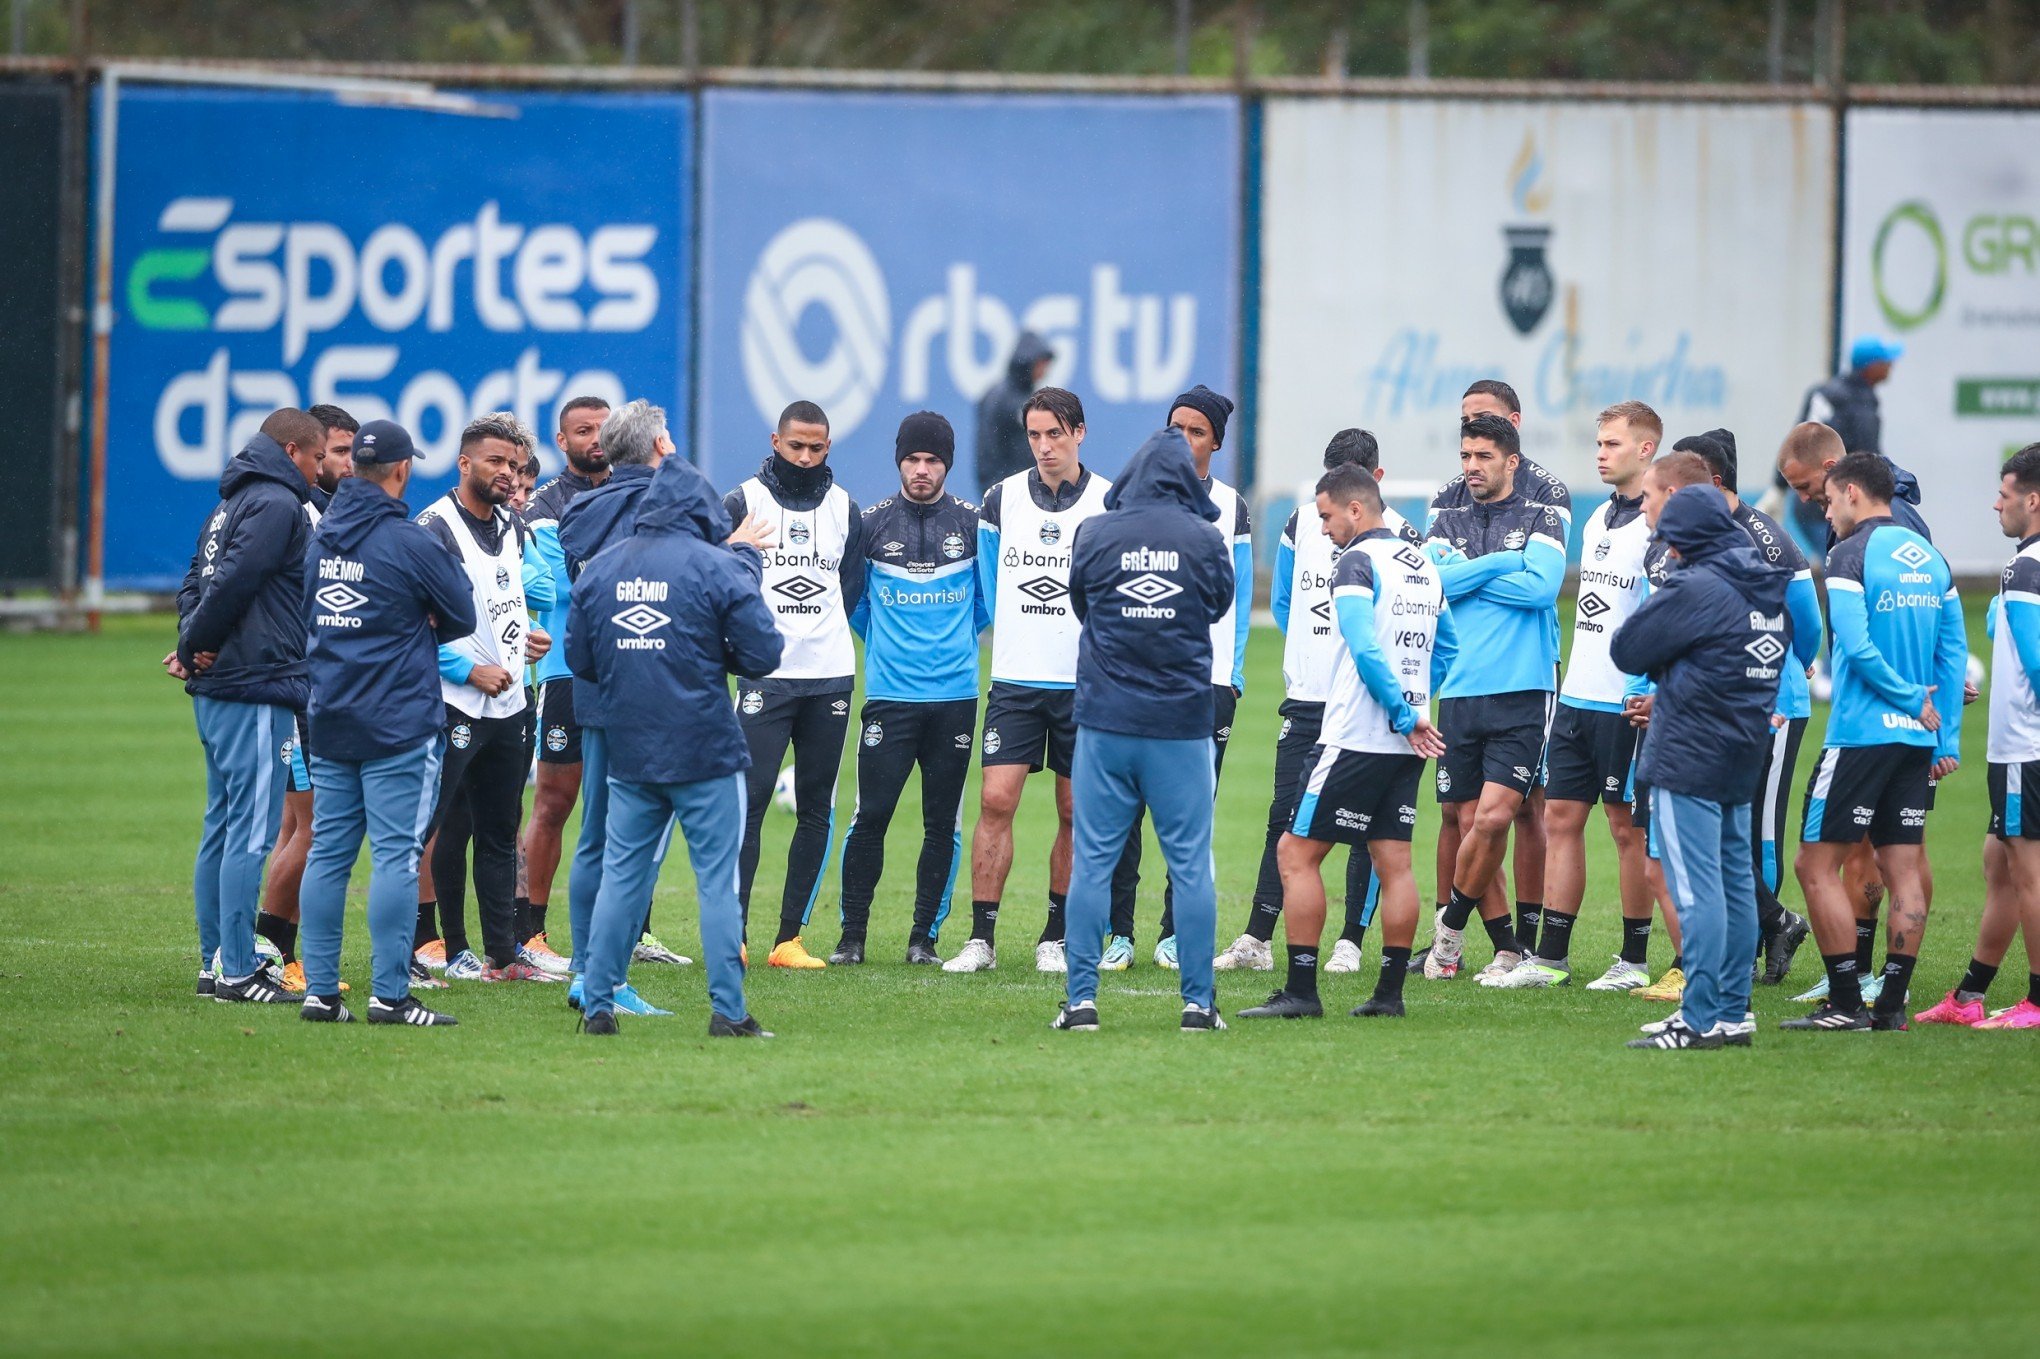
(818, 326)
(300, 311)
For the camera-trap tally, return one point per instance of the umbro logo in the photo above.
(1766, 650)
(1150, 588)
(1411, 558)
(1593, 606)
(893, 547)
(799, 589)
(640, 619)
(340, 598)
(1322, 609)
(1911, 555)
(1045, 589)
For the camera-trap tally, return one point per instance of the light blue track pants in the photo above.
(1706, 851)
(247, 772)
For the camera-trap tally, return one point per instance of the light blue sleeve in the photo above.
(454, 667)
(1802, 601)
(1536, 585)
(1850, 618)
(1445, 650)
(860, 613)
(1951, 662)
(1278, 593)
(1355, 608)
(539, 595)
(2023, 619)
(544, 547)
(1243, 610)
(1990, 617)
(988, 569)
(1468, 576)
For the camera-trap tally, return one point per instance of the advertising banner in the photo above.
(1585, 254)
(1941, 252)
(879, 254)
(31, 161)
(279, 249)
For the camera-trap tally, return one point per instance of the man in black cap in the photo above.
(380, 595)
(919, 616)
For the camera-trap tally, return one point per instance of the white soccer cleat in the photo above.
(977, 956)
(1442, 962)
(1531, 974)
(1624, 976)
(1501, 966)
(1345, 957)
(1246, 954)
(1048, 957)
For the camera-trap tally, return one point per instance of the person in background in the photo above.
(1002, 447)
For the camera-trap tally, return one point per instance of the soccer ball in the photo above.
(782, 791)
(1975, 672)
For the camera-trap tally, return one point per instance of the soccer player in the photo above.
(1896, 626)
(1025, 528)
(1301, 598)
(558, 783)
(657, 623)
(379, 593)
(1360, 787)
(1713, 640)
(1146, 582)
(2011, 857)
(336, 453)
(241, 655)
(1199, 415)
(919, 615)
(1539, 486)
(482, 681)
(1504, 560)
(1592, 741)
(813, 580)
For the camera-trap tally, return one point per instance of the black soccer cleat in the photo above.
(1379, 1007)
(1677, 1037)
(206, 983)
(1201, 1019)
(849, 953)
(747, 1027)
(1079, 1018)
(1417, 960)
(1888, 1021)
(1828, 1019)
(325, 1010)
(602, 1024)
(923, 955)
(262, 988)
(407, 1011)
(1282, 1005)
(1781, 945)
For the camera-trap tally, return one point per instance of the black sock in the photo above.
(1502, 936)
(1261, 920)
(1395, 965)
(2033, 988)
(1636, 941)
(1679, 961)
(1898, 970)
(1355, 933)
(1302, 971)
(1460, 909)
(1977, 979)
(520, 919)
(1053, 929)
(280, 932)
(1866, 945)
(1845, 983)
(1770, 915)
(1529, 915)
(535, 910)
(428, 924)
(984, 920)
(1556, 945)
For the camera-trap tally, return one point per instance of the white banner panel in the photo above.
(1941, 252)
(1585, 254)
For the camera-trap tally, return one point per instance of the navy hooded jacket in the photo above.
(658, 623)
(1148, 578)
(240, 597)
(380, 593)
(591, 522)
(1714, 638)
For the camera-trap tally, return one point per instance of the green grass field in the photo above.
(917, 1165)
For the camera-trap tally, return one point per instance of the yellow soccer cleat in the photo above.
(294, 978)
(794, 954)
(1669, 989)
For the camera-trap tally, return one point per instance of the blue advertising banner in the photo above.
(880, 254)
(276, 249)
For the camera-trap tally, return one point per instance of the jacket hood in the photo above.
(1697, 523)
(1162, 473)
(358, 506)
(1905, 486)
(592, 520)
(263, 459)
(1029, 350)
(680, 500)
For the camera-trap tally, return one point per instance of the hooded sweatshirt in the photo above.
(240, 596)
(1714, 638)
(1148, 578)
(380, 593)
(658, 622)
(1001, 439)
(593, 521)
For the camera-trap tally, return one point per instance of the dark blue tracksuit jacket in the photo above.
(1148, 579)
(240, 598)
(658, 623)
(1714, 638)
(593, 521)
(379, 595)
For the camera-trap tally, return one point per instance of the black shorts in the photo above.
(1590, 756)
(1034, 727)
(559, 735)
(1492, 738)
(2014, 815)
(1878, 792)
(1348, 797)
(298, 755)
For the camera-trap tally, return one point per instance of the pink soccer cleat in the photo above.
(2024, 1015)
(1968, 1014)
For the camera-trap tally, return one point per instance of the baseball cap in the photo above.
(1865, 350)
(383, 441)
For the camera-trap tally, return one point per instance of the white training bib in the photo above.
(1222, 632)
(500, 619)
(1034, 630)
(1407, 598)
(803, 583)
(1612, 587)
(1311, 646)
(2014, 711)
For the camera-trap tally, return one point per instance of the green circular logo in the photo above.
(1922, 217)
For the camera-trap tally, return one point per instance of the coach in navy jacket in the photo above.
(1714, 637)
(658, 623)
(593, 521)
(1148, 579)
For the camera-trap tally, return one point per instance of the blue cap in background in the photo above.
(1865, 350)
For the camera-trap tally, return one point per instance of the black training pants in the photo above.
(486, 761)
(813, 724)
(893, 738)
